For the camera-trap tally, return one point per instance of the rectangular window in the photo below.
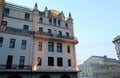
(25, 28)
(6, 12)
(59, 47)
(12, 43)
(50, 46)
(27, 16)
(21, 62)
(39, 61)
(50, 61)
(1, 41)
(68, 49)
(59, 61)
(69, 62)
(9, 62)
(23, 44)
(40, 46)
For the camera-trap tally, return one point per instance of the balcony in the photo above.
(46, 35)
(5, 68)
(16, 31)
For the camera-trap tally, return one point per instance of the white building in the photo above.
(36, 44)
(116, 41)
(100, 67)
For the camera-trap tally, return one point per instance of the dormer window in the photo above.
(41, 20)
(66, 25)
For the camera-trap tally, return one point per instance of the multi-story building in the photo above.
(36, 44)
(100, 67)
(116, 41)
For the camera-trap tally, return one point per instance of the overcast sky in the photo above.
(96, 23)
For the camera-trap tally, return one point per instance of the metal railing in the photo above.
(52, 35)
(55, 35)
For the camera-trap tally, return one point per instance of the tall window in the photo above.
(69, 62)
(27, 16)
(25, 28)
(59, 61)
(50, 61)
(6, 12)
(68, 49)
(54, 21)
(12, 43)
(21, 62)
(50, 46)
(9, 62)
(23, 44)
(58, 22)
(50, 21)
(40, 46)
(41, 20)
(66, 25)
(39, 61)
(59, 47)
(1, 41)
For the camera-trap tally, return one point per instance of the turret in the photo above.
(70, 17)
(35, 10)
(46, 12)
(62, 15)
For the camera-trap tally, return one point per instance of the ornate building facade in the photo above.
(36, 44)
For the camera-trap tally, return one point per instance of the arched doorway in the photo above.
(14, 76)
(44, 76)
(65, 76)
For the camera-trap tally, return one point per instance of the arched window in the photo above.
(66, 25)
(41, 20)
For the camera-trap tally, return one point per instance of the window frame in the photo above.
(39, 46)
(50, 61)
(12, 43)
(59, 47)
(24, 44)
(59, 61)
(27, 16)
(50, 46)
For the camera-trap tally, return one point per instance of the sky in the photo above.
(96, 23)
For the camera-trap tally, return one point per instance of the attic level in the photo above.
(52, 13)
